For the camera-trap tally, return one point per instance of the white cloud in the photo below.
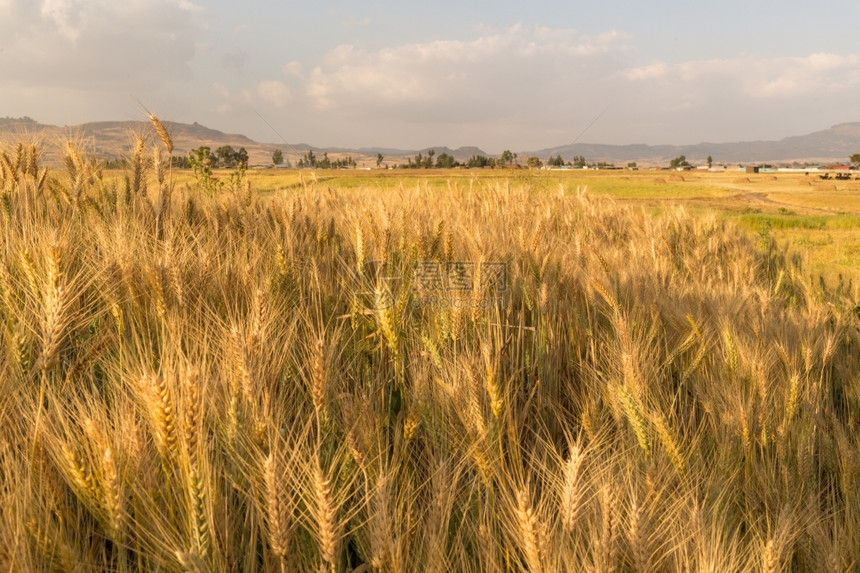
(486, 75)
(95, 44)
(792, 77)
(266, 93)
(65, 16)
(522, 86)
(274, 92)
(544, 86)
(294, 69)
(759, 78)
(650, 72)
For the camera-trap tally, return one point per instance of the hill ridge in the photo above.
(110, 138)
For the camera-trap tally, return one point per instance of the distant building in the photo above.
(751, 169)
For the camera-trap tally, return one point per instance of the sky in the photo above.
(497, 75)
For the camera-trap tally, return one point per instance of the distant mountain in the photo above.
(836, 144)
(111, 139)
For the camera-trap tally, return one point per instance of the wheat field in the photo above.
(481, 377)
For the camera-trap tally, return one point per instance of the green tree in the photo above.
(226, 156)
(445, 161)
(710, 161)
(325, 162)
(180, 162)
(379, 158)
(855, 159)
(478, 161)
(241, 157)
(507, 157)
(309, 160)
(680, 161)
(534, 163)
(278, 157)
(579, 161)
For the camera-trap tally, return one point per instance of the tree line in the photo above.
(310, 160)
(447, 161)
(224, 157)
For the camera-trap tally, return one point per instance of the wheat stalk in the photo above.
(385, 319)
(54, 319)
(490, 383)
(277, 510)
(192, 415)
(164, 412)
(637, 421)
(318, 379)
(30, 272)
(572, 489)
(607, 296)
(201, 539)
(74, 161)
(356, 448)
(243, 364)
(162, 132)
(190, 562)
(18, 162)
(259, 320)
(639, 540)
(670, 444)
(175, 276)
(113, 495)
(138, 168)
(608, 544)
(384, 243)
(529, 532)
(32, 162)
(328, 530)
(82, 478)
(359, 250)
(158, 164)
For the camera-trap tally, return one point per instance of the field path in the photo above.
(762, 198)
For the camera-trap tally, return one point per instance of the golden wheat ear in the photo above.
(159, 128)
(162, 133)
